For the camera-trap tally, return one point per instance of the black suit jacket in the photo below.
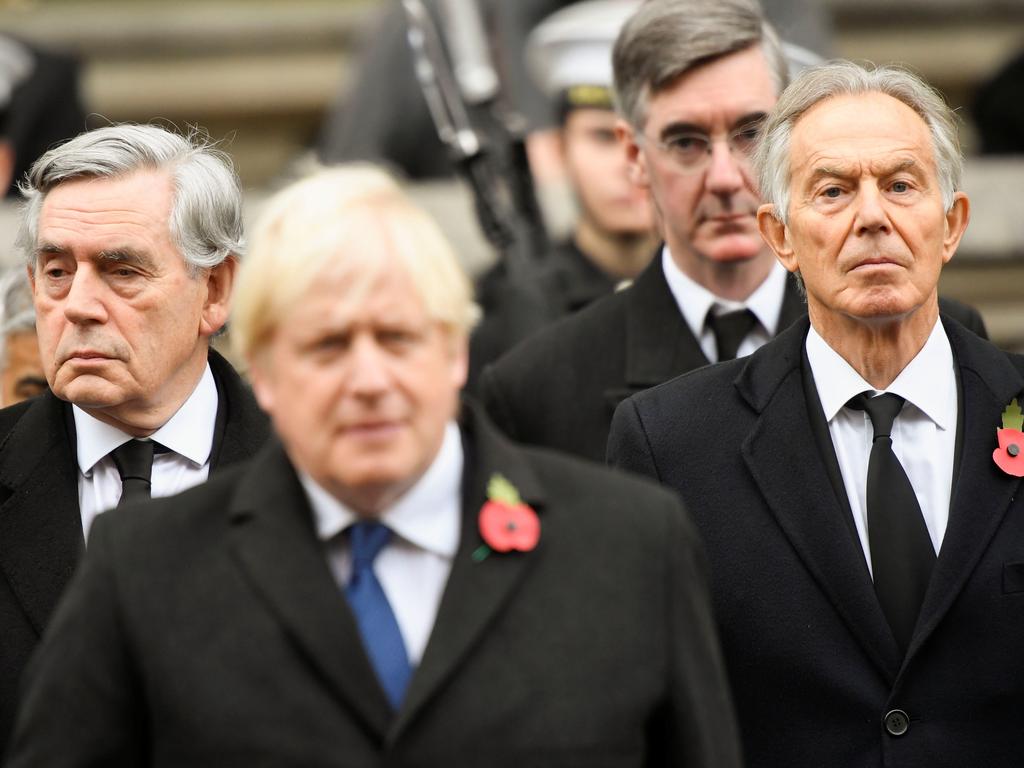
(813, 664)
(40, 526)
(560, 387)
(207, 630)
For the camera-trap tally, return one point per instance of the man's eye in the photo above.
(900, 186)
(688, 144)
(745, 138)
(831, 192)
(396, 338)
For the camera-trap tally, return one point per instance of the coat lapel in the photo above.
(242, 427)
(780, 451)
(273, 539)
(40, 525)
(983, 492)
(794, 305)
(659, 343)
(476, 592)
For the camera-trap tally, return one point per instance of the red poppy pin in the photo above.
(506, 523)
(1009, 456)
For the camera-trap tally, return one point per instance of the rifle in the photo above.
(491, 159)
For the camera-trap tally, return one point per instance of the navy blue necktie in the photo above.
(377, 624)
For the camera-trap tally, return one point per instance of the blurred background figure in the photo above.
(999, 110)
(41, 90)
(270, 78)
(21, 371)
(11, 68)
(569, 56)
(612, 237)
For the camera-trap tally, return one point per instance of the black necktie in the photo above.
(730, 329)
(902, 555)
(134, 461)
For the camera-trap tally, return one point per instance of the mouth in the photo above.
(879, 262)
(730, 221)
(373, 430)
(86, 356)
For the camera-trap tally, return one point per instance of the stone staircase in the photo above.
(260, 74)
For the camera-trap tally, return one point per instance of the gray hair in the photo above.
(771, 159)
(665, 39)
(17, 312)
(206, 215)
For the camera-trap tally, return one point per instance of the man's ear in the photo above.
(776, 235)
(460, 359)
(957, 218)
(219, 282)
(258, 381)
(634, 157)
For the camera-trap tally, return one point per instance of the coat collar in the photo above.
(982, 492)
(781, 453)
(477, 591)
(275, 544)
(40, 525)
(41, 536)
(659, 343)
(793, 479)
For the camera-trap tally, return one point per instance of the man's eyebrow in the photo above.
(829, 171)
(671, 129)
(751, 118)
(834, 171)
(904, 165)
(128, 256)
(50, 249)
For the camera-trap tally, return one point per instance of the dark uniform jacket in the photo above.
(560, 388)
(40, 526)
(516, 308)
(207, 629)
(816, 672)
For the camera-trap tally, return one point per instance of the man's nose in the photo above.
(871, 214)
(368, 366)
(725, 169)
(84, 301)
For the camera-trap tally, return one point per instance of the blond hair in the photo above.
(351, 222)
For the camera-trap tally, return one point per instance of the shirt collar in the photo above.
(189, 432)
(695, 300)
(427, 515)
(921, 383)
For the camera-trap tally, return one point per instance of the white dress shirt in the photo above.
(695, 300)
(188, 435)
(923, 435)
(414, 565)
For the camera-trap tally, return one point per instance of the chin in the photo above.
(89, 392)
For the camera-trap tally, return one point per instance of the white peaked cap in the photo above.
(573, 46)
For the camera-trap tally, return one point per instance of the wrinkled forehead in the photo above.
(869, 131)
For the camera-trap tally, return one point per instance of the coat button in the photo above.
(897, 722)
